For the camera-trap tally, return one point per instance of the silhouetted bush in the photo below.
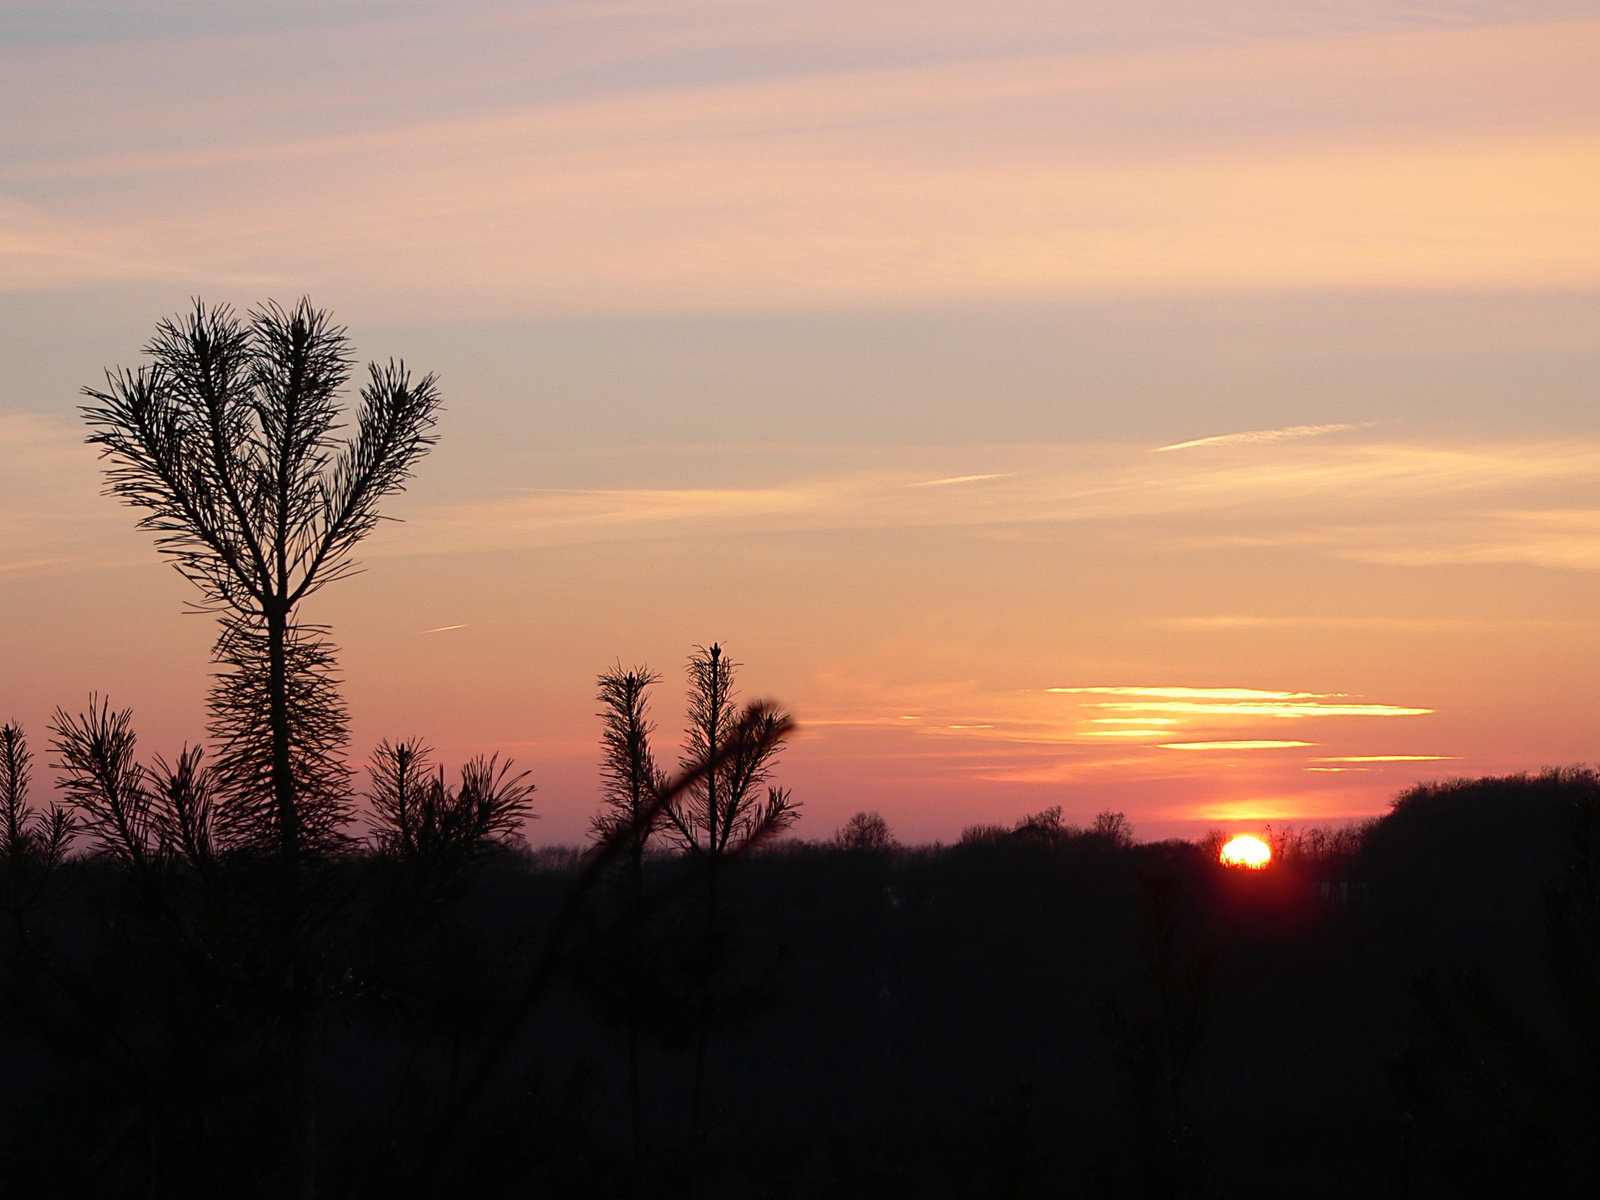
(866, 831)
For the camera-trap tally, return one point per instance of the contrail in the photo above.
(957, 479)
(1263, 435)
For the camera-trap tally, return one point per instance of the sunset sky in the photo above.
(1185, 408)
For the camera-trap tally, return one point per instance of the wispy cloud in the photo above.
(1146, 734)
(1131, 720)
(1291, 710)
(56, 520)
(970, 173)
(1388, 758)
(956, 479)
(1234, 702)
(1273, 808)
(1256, 436)
(31, 564)
(1185, 693)
(1394, 503)
(1245, 745)
(1410, 625)
(1382, 502)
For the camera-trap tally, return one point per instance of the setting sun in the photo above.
(1246, 851)
(825, 513)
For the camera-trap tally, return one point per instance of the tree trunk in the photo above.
(702, 1048)
(635, 987)
(278, 716)
(301, 1108)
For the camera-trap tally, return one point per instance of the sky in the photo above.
(1180, 408)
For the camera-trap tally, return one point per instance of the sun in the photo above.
(1246, 851)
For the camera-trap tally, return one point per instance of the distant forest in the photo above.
(234, 973)
(1409, 1008)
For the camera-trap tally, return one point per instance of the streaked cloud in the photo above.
(1418, 624)
(56, 520)
(1245, 745)
(1284, 709)
(1405, 504)
(1387, 758)
(1383, 502)
(1256, 436)
(1130, 720)
(1185, 693)
(1146, 734)
(1279, 808)
(431, 169)
(1234, 702)
(955, 479)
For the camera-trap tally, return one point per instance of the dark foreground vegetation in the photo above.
(230, 974)
(1409, 1009)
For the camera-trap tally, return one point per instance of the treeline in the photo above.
(1404, 1009)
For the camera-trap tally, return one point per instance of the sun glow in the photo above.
(1246, 851)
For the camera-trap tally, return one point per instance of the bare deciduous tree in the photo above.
(866, 831)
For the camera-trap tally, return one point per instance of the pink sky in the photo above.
(1185, 409)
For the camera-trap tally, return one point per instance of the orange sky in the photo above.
(1181, 408)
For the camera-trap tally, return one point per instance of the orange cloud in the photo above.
(1234, 702)
(1247, 745)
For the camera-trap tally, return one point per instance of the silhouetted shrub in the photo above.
(866, 831)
